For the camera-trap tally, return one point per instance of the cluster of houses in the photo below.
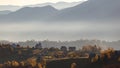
(93, 52)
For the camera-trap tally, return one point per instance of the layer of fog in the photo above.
(59, 31)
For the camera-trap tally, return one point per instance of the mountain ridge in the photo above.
(30, 13)
(92, 10)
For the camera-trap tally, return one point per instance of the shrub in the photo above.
(73, 65)
(14, 63)
(32, 62)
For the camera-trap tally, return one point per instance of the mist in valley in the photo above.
(59, 31)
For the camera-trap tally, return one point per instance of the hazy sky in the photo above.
(27, 2)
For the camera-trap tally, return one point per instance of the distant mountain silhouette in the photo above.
(58, 5)
(5, 12)
(29, 14)
(90, 10)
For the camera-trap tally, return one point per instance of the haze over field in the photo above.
(59, 31)
(93, 19)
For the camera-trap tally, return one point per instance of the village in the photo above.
(15, 55)
(52, 52)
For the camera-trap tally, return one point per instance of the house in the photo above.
(63, 48)
(38, 46)
(72, 48)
